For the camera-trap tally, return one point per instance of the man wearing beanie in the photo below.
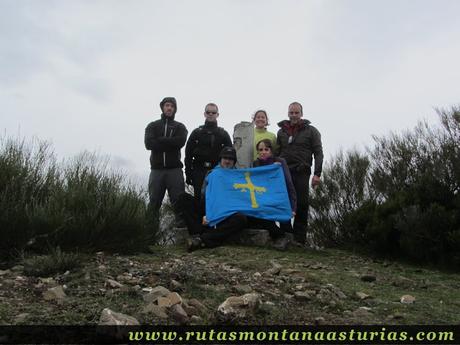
(165, 138)
(204, 236)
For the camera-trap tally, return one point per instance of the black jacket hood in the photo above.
(168, 100)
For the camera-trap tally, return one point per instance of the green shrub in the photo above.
(402, 199)
(81, 204)
(344, 188)
(28, 175)
(56, 261)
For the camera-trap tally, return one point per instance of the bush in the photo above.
(56, 261)
(78, 205)
(344, 188)
(401, 199)
(28, 175)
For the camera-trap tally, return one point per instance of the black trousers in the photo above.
(273, 229)
(213, 237)
(198, 175)
(301, 180)
(186, 208)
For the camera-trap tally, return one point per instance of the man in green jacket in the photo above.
(298, 143)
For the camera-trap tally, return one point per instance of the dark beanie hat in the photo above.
(228, 152)
(169, 100)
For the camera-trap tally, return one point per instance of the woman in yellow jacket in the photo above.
(260, 121)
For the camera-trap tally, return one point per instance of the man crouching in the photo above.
(208, 237)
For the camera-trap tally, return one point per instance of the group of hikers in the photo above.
(210, 147)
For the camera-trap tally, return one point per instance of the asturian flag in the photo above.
(257, 192)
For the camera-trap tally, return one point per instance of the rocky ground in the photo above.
(233, 284)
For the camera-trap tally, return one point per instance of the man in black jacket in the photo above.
(165, 138)
(202, 151)
(298, 143)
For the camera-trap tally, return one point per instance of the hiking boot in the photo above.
(194, 243)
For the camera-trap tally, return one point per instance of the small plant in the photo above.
(55, 262)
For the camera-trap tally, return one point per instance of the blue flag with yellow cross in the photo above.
(257, 192)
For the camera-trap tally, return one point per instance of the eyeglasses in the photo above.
(211, 112)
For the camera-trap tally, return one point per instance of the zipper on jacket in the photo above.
(164, 153)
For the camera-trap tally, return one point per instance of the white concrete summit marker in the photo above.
(243, 142)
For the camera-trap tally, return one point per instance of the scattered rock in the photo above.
(20, 279)
(20, 318)
(362, 312)
(202, 310)
(396, 316)
(302, 296)
(257, 275)
(111, 318)
(320, 320)
(158, 291)
(17, 268)
(55, 294)
(175, 285)
(407, 299)
(275, 270)
(336, 291)
(190, 310)
(127, 278)
(236, 307)
(174, 298)
(242, 289)
(362, 295)
(368, 278)
(5, 272)
(178, 313)
(154, 309)
(230, 269)
(113, 284)
(292, 271)
(8, 282)
(163, 302)
(196, 319)
(267, 307)
(47, 281)
(297, 279)
(403, 282)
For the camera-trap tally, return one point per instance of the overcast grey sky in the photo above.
(89, 74)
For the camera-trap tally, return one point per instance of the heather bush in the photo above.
(78, 205)
(400, 199)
